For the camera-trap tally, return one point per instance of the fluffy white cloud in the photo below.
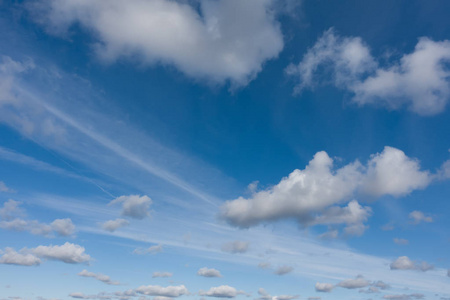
(223, 291)
(103, 278)
(63, 227)
(11, 257)
(393, 173)
(216, 40)
(356, 283)
(313, 195)
(68, 253)
(419, 80)
(156, 290)
(324, 287)
(134, 206)
(161, 274)
(282, 270)
(404, 263)
(418, 217)
(266, 296)
(206, 272)
(235, 247)
(10, 210)
(113, 225)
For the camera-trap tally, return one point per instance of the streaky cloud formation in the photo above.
(419, 80)
(222, 40)
(235, 247)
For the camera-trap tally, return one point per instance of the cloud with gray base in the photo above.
(283, 270)
(113, 225)
(404, 263)
(314, 195)
(101, 277)
(206, 272)
(134, 206)
(324, 287)
(223, 291)
(67, 253)
(235, 247)
(225, 40)
(419, 81)
(356, 283)
(404, 296)
(264, 295)
(156, 290)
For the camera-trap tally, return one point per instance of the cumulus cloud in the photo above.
(150, 250)
(63, 227)
(216, 40)
(10, 210)
(103, 278)
(68, 253)
(235, 247)
(156, 290)
(418, 217)
(113, 225)
(161, 274)
(419, 80)
(205, 272)
(264, 295)
(399, 241)
(314, 195)
(11, 257)
(223, 291)
(356, 283)
(134, 206)
(404, 263)
(324, 287)
(282, 270)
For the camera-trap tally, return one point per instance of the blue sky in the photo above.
(260, 149)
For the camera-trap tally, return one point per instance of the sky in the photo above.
(224, 149)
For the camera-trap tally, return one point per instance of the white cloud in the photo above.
(4, 188)
(113, 225)
(156, 290)
(235, 247)
(324, 287)
(150, 250)
(404, 263)
(419, 80)
(63, 227)
(357, 283)
(216, 40)
(68, 253)
(418, 217)
(10, 210)
(223, 291)
(399, 241)
(11, 257)
(161, 274)
(134, 206)
(393, 173)
(312, 196)
(103, 278)
(282, 270)
(205, 272)
(266, 296)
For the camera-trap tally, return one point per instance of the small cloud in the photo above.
(134, 206)
(205, 272)
(324, 287)
(418, 217)
(103, 278)
(4, 188)
(169, 291)
(223, 291)
(161, 274)
(151, 250)
(235, 247)
(404, 263)
(264, 265)
(282, 270)
(358, 282)
(63, 227)
(113, 225)
(401, 241)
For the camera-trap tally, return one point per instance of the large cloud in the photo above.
(419, 80)
(315, 194)
(219, 40)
